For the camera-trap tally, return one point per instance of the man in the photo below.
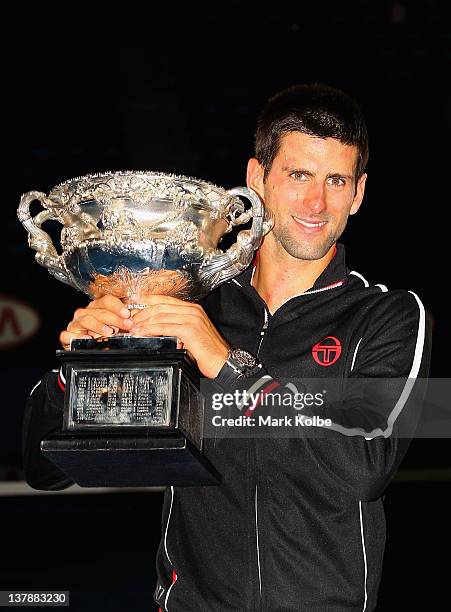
(297, 523)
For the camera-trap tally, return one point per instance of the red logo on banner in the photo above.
(327, 352)
(18, 322)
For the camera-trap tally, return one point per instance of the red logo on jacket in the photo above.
(327, 351)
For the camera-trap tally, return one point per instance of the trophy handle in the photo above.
(40, 241)
(221, 266)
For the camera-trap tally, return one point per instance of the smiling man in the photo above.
(297, 523)
(311, 187)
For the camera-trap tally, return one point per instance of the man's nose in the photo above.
(315, 198)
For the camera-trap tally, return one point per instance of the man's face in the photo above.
(310, 191)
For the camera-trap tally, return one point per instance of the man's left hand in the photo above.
(169, 316)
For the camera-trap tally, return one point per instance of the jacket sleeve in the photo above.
(379, 408)
(43, 416)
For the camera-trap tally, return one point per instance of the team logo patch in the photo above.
(327, 351)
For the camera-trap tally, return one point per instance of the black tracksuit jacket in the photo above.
(296, 523)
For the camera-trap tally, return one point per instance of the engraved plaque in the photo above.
(135, 397)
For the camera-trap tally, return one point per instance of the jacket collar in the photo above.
(333, 276)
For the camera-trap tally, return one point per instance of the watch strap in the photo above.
(230, 372)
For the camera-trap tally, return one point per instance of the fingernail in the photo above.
(107, 331)
(127, 323)
(125, 313)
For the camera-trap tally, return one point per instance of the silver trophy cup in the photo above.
(133, 413)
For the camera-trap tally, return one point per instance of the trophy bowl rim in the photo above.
(151, 174)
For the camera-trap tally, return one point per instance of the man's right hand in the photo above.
(102, 317)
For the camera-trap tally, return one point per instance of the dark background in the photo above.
(183, 97)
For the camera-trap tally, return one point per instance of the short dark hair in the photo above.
(314, 109)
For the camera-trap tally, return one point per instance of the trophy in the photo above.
(133, 411)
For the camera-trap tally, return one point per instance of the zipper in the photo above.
(263, 330)
(262, 335)
(256, 535)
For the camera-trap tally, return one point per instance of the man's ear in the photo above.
(359, 193)
(254, 176)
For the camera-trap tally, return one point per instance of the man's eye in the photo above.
(299, 176)
(336, 181)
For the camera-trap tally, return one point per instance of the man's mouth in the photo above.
(309, 224)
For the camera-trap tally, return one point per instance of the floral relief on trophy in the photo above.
(139, 187)
(130, 286)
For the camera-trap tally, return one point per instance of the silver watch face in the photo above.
(242, 358)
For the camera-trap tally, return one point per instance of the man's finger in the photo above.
(111, 303)
(161, 329)
(103, 316)
(88, 323)
(182, 309)
(66, 338)
(189, 321)
(149, 300)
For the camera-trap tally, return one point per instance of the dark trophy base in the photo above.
(130, 462)
(133, 416)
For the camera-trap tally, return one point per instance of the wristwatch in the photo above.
(239, 364)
